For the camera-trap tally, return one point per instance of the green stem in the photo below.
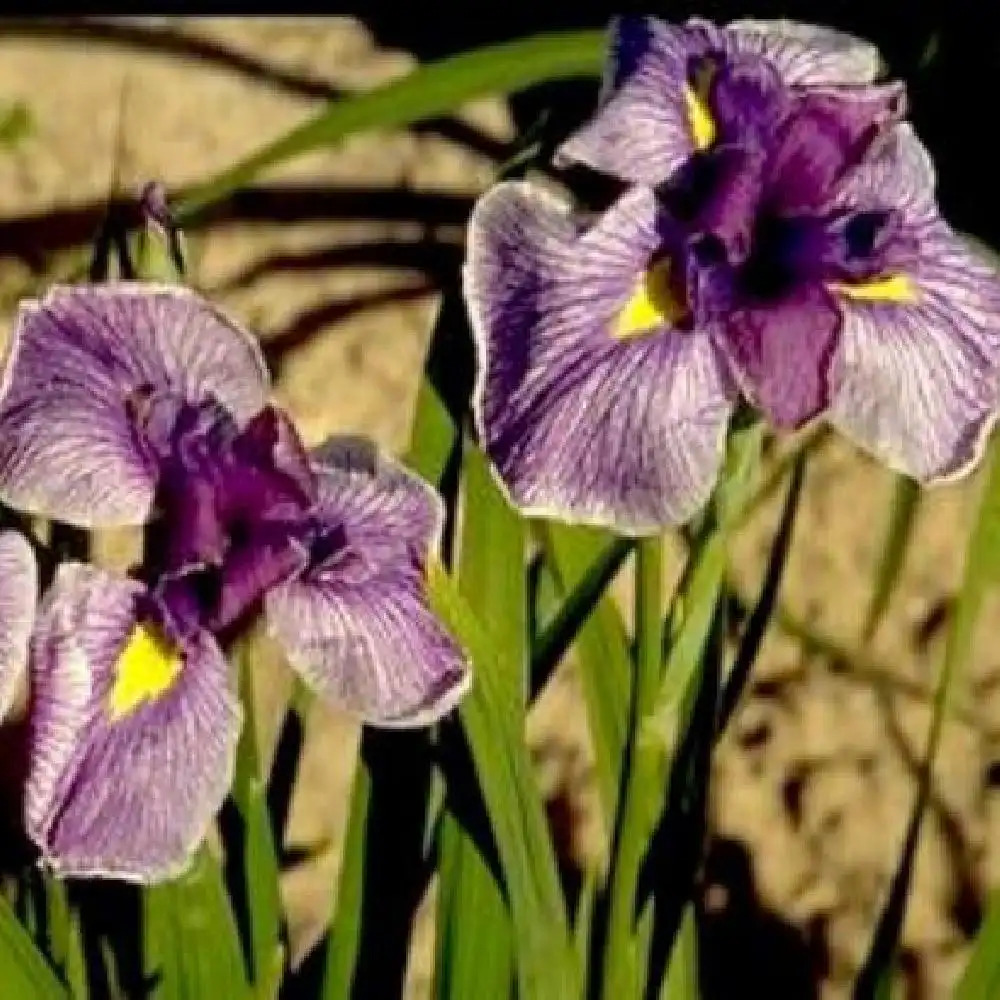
(621, 965)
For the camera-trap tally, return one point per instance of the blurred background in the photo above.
(336, 260)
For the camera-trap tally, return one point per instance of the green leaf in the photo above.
(681, 980)
(427, 92)
(345, 930)
(903, 511)
(982, 571)
(257, 849)
(192, 947)
(474, 934)
(566, 618)
(66, 943)
(753, 633)
(981, 979)
(490, 717)
(659, 735)
(579, 558)
(24, 971)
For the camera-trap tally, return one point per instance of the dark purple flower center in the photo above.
(232, 504)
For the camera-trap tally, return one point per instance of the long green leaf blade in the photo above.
(192, 947)
(490, 720)
(982, 571)
(24, 971)
(981, 978)
(474, 934)
(903, 509)
(257, 850)
(427, 92)
(602, 649)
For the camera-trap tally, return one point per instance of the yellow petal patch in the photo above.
(895, 288)
(699, 116)
(146, 669)
(653, 303)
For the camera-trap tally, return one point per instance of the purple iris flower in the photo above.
(140, 404)
(778, 240)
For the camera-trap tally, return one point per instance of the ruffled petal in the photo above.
(131, 752)
(18, 597)
(916, 380)
(581, 424)
(806, 54)
(782, 352)
(68, 447)
(356, 624)
(642, 130)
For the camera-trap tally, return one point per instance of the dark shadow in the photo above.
(745, 948)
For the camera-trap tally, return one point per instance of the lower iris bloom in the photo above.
(136, 404)
(788, 251)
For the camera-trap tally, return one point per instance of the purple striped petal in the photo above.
(121, 784)
(641, 131)
(18, 597)
(916, 382)
(805, 54)
(68, 448)
(580, 424)
(356, 624)
(916, 376)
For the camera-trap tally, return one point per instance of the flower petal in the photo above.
(580, 424)
(121, 789)
(806, 54)
(782, 353)
(18, 597)
(388, 504)
(67, 446)
(916, 383)
(356, 624)
(642, 130)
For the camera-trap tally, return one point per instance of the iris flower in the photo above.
(777, 240)
(133, 404)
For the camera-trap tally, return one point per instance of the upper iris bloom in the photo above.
(137, 404)
(779, 241)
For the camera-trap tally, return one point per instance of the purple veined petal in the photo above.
(916, 374)
(782, 353)
(896, 174)
(356, 623)
(806, 54)
(67, 446)
(131, 744)
(18, 597)
(642, 130)
(829, 133)
(371, 647)
(581, 424)
(375, 497)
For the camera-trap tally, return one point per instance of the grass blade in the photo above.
(982, 571)
(753, 634)
(252, 847)
(981, 979)
(580, 557)
(474, 934)
(490, 718)
(24, 971)
(903, 511)
(681, 980)
(192, 946)
(427, 92)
